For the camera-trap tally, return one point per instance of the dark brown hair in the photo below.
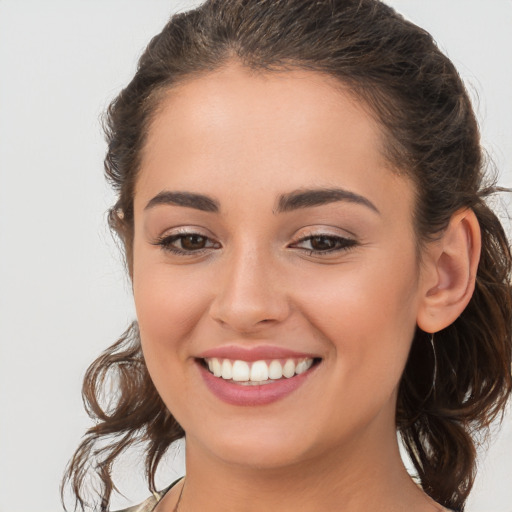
(415, 93)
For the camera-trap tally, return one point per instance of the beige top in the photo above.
(150, 504)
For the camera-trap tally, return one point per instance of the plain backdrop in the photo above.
(63, 292)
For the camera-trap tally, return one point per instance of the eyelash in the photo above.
(339, 244)
(166, 243)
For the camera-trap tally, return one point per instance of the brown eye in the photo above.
(323, 243)
(193, 242)
(187, 244)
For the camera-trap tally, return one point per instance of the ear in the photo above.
(449, 272)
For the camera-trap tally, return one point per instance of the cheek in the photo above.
(368, 315)
(169, 306)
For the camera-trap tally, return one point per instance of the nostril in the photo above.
(244, 321)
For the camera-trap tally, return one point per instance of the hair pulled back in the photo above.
(432, 136)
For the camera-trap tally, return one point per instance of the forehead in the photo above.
(281, 130)
(237, 97)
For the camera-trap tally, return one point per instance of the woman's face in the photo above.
(271, 237)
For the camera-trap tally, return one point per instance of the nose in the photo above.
(249, 296)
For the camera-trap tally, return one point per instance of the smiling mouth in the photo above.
(256, 373)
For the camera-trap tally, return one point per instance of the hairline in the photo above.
(388, 145)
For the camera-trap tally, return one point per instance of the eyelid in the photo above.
(170, 236)
(184, 230)
(323, 230)
(340, 241)
(344, 242)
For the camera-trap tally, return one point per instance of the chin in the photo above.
(260, 448)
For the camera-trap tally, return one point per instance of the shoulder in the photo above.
(150, 504)
(146, 506)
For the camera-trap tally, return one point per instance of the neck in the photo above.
(361, 476)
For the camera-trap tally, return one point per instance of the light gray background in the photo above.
(63, 294)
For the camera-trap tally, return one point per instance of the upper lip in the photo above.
(258, 353)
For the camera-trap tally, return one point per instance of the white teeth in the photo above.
(240, 371)
(217, 371)
(258, 371)
(226, 369)
(289, 368)
(303, 366)
(275, 370)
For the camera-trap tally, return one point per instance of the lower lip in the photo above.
(239, 394)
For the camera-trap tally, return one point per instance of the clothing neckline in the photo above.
(159, 495)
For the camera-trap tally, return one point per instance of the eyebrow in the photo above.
(317, 197)
(286, 203)
(186, 199)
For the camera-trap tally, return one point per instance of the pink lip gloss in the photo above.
(236, 393)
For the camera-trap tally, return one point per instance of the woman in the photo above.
(314, 267)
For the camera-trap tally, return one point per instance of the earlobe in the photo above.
(450, 272)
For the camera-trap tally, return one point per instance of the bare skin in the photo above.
(339, 279)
